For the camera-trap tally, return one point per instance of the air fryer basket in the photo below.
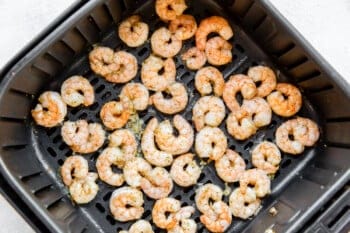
(30, 155)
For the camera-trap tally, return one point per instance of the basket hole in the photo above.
(107, 196)
(111, 220)
(286, 163)
(146, 214)
(94, 81)
(94, 106)
(192, 196)
(56, 139)
(100, 89)
(100, 208)
(60, 162)
(84, 115)
(51, 131)
(106, 95)
(142, 51)
(248, 145)
(201, 177)
(74, 111)
(51, 152)
(240, 48)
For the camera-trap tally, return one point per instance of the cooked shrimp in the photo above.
(133, 31)
(51, 109)
(211, 24)
(307, 131)
(267, 157)
(266, 76)
(125, 140)
(134, 170)
(206, 78)
(173, 105)
(210, 143)
(240, 125)
(126, 204)
(149, 149)
(194, 58)
(256, 178)
(74, 167)
(75, 132)
(164, 43)
(164, 213)
(84, 190)
(244, 205)
(77, 90)
(170, 9)
(185, 171)
(150, 73)
(208, 111)
(168, 142)
(108, 157)
(238, 83)
(185, 224)
(205, 195)
(286, 100)
(137, 94)
(157, 183)
(221, 220)
(126, 68)
(140, 226)
(102, 61)
(230, 167)
(218, 51)
(183, 27)
(115, 114)
(260, 111)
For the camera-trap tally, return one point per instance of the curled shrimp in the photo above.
(230, 167)
(219, 221)
(208, 111)
(157, 183)
(244, 205)
(134, 170)
(133, 31)
(185, 171)
(307, 131)
(151, 77)
(238, 83)
(164, 43)
(170, 9)
(285, 106)
(126, 204)
(205, 195)
(84, 190)
(51, 109)
(140, 226)
(183, 27)
(115, 114)
(126, 68)
(267, 157)
(185, 224)
(260, 111)
(194, 58)
(240, 125)
(124, 140)
(218, 51)
(172, 105)
(256, 178)
(137, 94)
(266, 76)
(104, 162)
(94, 141)
(168, 142)
(149, 149)
(164, 213)
(74, 167)
(77, 90)
(211, 24)
(210, 143)
(102, 61)
(209, 80)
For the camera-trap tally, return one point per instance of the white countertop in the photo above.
(325, 24)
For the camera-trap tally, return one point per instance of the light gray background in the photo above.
(325, 24)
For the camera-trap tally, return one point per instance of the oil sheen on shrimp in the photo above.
(209, 80)
(84, 190)
(266, 76)
(185, 171)
(244, 205)
(73, 167)
(77, 90)
(157, 184)
(256, 178)
(210, 143)
(126, 70)
(164, 213)
(267, 157)
(115, 114)
(170, 9)
(164, 43)
(218, 51)
(102, 61)
(133, 32)
(194, 58)
(230, 167)
(137, 94)
(183, 27)
(124, 140)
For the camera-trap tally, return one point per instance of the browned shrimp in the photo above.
(194, 58)
(164, 43)
(170, 9)
(218, 51)
(266, 76)
(115, 115)
(133, 31)
(126, 68)
(183, 27)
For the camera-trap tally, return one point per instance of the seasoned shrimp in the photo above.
(210, 143)
(102, 61)
(126, 68)
(205, 195)
(125, 140)
(168, 142)
(244, 205)
(137, 94)
(257, 178)
(206, 78)
(307, 131)
(183, 27)
(157, 183)
(238, 83)
(149, 149)
(219, 221)
(208, 110)
(115, 114)
(110, 156)
(133, 31)
(164, 43)
(77, 90)
(75, 132)
(218, 51)
(267, 157)
(140, 226)
(135, 170)
(150, 73)
(185, 171)
(194, 58)
(170, 9)
(51, 109)
(75, 167)
(240, 125)
(267, 78)
(260, 111)
(126, 204)
(230, 167)
(176, 103)
(94, 141)
(211, 24)
(84, 190)
(185, 224)
(285, 106)
(164, 213)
